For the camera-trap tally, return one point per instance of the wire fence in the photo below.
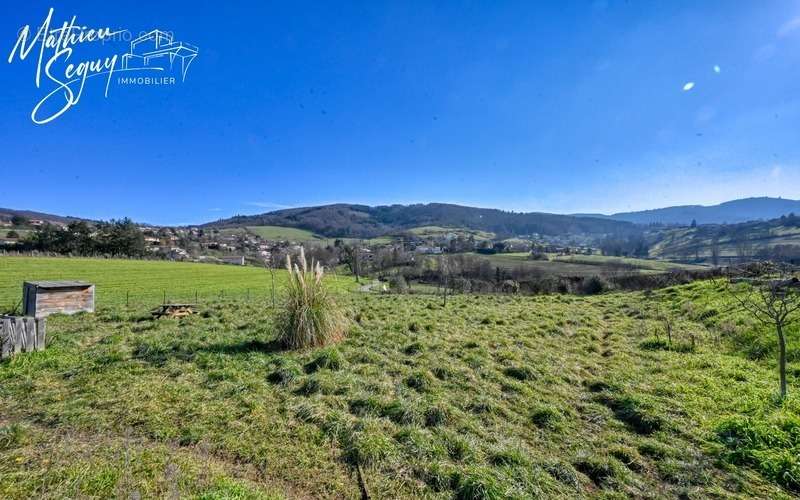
(132, 298)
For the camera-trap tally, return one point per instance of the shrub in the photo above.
(594, 285)
(461, 285)
(509, 286)
(398, 284)
(310, 317)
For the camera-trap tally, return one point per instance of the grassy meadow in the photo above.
(687, 242)
(438, 231)
(490, 397)
(142, 281)
(582, 265)
(278, 233)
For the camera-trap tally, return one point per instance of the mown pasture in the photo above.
(582, 265)
(278, 233)
(145, 282)
(492, 396)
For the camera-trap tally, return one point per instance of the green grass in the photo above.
(581, 265)
(490, 397)
(644, 264)
(283, 233)
(144, 281)
(686, 243)
(438, 231)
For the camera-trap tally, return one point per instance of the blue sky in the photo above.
(527, 106)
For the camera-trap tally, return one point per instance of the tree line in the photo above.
(115, 237)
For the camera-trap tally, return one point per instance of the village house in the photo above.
(235, 260)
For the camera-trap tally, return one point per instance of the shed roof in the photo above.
(53, 285)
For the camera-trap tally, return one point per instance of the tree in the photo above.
(715, 250)
(744, 247)
(444, 274)
(120, 237)
(771, 294)
(19, 220)
(352, 254)
(12, 235)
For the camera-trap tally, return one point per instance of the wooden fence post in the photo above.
(6, 342)
(41, 328)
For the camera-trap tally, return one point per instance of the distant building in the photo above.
(177, 254)
(237, 261)
(428, 250)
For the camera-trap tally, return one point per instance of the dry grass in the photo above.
(311, 317)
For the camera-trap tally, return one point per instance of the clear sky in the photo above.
(528, 106)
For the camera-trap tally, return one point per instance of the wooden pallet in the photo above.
(174, 310)
(20, 334)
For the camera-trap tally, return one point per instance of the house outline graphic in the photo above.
(152, 48)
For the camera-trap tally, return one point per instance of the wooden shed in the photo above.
(43, 298)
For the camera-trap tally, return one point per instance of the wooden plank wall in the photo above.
(66, 301)
(21, 334)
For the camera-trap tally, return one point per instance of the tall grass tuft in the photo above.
(310, 318)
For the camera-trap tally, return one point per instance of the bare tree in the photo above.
(771, 294)
(744, 247)
(715, 250)
(444, 273)
(353, 259)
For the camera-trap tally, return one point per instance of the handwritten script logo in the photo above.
(55, 47)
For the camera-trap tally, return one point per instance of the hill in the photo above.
(7, 213)
(730, 212)
(365, 222)
(747, 239)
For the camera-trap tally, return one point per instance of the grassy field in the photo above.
(686, 243)
(143, 282)
(582, 265)
(278, 233)
(643, 264)
(491, 397)
(438, 231)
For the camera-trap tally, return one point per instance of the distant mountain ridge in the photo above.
(730, 212)
(8, 213)
(363, 221)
